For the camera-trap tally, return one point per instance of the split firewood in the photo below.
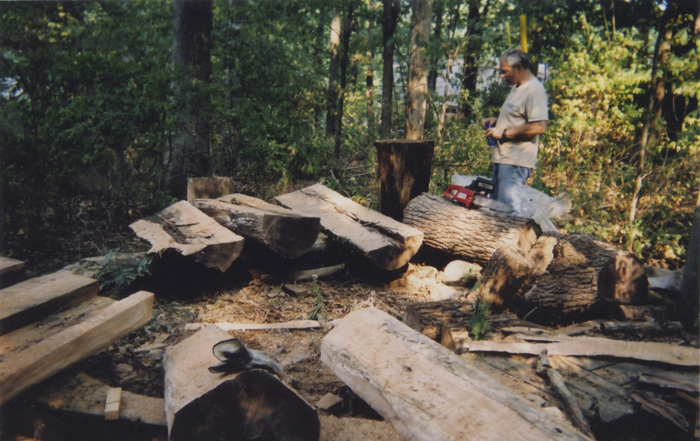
(249, 405)
(36, 298)
(561, 278)
(36, 352)
(544, 369)
(467, 234)
(285, 232)
(113, 403)
(425, 391)
(385, 242)
(183, 229)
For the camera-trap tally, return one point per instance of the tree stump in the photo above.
(404, 171)
(250, 405)
(467, 234)
(285, 232)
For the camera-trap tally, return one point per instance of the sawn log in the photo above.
(387, 243)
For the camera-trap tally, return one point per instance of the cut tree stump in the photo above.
(561, 278)
(38, 351)
(209, 188)
(467, 234)
(285, 232)
(424, 390)
(36, 298)
(183, 229)
(404, 171)
(11, 271)
(385, 242)
(251, 405)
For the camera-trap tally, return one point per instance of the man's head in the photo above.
(515, 67)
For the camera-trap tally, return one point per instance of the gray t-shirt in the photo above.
(525, 104)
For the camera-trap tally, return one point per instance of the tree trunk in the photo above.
(390, 17)
(347, 31)
(189, 146)
(388, 244)
(404, 170)
(425, 391)
(465, 233)
(369, 88)
(470, 70)
(250, 405)
(287, 233)
(332, 96)
(690, 283)
(417, 97)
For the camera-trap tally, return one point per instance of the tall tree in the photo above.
(418, 76)
(186, 153)
(332, 102)
(345, 40)
(390, 17)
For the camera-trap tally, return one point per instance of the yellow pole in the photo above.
(523, 33)
(508, 33)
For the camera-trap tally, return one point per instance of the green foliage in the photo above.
(115, 276)
(478, 322)
(319, 313)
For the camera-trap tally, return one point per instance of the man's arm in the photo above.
(518, 133)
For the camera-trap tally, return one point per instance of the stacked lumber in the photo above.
(387, 243)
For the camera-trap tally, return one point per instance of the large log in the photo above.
(562, 278)
(424, 390)
(36, 352)
(285, 232)
(36, 298)
(467, 234)
(184, 229)
(251, 405)
(404, 171)
(387, 243)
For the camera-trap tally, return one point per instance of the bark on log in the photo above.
(424, 390)
(561, 278)
(285, 232)
(184, 229)
(404, 171)
(250, 405)
(467, 234)
(36, 361)
(387, 243)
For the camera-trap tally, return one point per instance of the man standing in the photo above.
(523, 118)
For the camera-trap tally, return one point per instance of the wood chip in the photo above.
(112, 403)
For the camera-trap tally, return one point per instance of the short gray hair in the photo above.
(515, 56)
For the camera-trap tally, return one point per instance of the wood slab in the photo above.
(285, 232)
(387, 243)
(186, 230)
(36, 298)
(11, 271)
(426, 391)
(30, 364)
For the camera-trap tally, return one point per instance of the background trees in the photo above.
(93, 92)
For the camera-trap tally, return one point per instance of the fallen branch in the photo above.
(660, 408)
(545, 370)
(295, 324)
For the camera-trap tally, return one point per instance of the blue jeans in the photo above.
(509, 181)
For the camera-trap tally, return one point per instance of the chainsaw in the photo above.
(476, 195)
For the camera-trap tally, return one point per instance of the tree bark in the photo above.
(418, 77)
(250, 405)
(332, 96)
(465, 233)
(404, 170)
(186, 155)
(470, 69)
(345, 40)
(390, 17)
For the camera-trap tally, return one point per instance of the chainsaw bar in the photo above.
(492, 204)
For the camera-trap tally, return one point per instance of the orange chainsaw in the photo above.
(476, 195)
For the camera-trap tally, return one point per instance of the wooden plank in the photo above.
(387, 243)
(295, 324)
(39, 297)
(113, 403)
(426, 391)
(11, 271)
(184, 229)
(44, 359)
(599, 347)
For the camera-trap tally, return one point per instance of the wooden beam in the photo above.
(387, 243)
(183, 229)
(39, 297)
(45, 358)
(11, 271)
(426, 391)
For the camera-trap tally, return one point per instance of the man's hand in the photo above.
(492, 120)
(496, 132)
